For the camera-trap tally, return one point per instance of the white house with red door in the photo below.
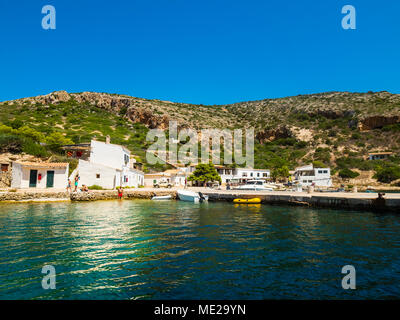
(39, 175)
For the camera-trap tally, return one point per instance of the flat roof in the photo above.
(161, 174)
(379, 153)
(43, 164)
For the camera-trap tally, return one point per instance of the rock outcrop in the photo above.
(272, 134)
(374, 122)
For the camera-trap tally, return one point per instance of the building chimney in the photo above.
(108, 139)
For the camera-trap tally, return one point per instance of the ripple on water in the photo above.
(177, 250)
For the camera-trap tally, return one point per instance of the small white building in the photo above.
(245, 174)
(239, 175)
(176, 177)
(308, 175)
(104, 164)
(379, 155)
(39, 175)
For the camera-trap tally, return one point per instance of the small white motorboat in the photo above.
(256, 185)
(169, 197)
(191, 196)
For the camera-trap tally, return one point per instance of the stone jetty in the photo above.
(334, 200)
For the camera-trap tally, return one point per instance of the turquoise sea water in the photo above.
(175, 250)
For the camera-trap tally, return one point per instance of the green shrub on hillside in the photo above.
(15, 144)
(348, 174)
(355, 163)
(319, 164)
(387, 174)
(31, 133)
(31, 147)
(10, 143)
(55, 140)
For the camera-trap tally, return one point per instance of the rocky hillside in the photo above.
(335, 128)
(364, 110)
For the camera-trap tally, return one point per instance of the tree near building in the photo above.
(387, 174)
(205, 173)
(55, 140)
(280, 172)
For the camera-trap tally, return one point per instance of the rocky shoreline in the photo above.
(112, 195)
(93, 195)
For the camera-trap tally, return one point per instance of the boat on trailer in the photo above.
(191, 196)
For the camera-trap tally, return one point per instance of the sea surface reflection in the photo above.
(176, 250)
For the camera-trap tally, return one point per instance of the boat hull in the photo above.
(190, 196)
(159, 198)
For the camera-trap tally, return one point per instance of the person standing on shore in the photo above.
(76, 183)
(120, 193)
(69, 185)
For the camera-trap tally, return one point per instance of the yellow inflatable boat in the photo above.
(253, 200)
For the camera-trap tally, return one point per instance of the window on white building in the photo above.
(97, 175)
(265, 175)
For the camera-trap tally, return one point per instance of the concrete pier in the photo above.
(335, 200)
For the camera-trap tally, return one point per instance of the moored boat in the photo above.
(247, 201)
(191, 196)
(168, 197)
(256, 185)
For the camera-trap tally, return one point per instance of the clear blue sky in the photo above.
(208, 51)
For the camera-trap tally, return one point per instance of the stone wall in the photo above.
(113, 194)
(332, 201)
(5, 179)
(27, 195)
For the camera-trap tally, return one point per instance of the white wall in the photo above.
(321, 177)
(88, 173)
(178, 180)
(252, 174)
(110, 155)
(16, 176)
(238, 174)
(135, 178)
(21, 175)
